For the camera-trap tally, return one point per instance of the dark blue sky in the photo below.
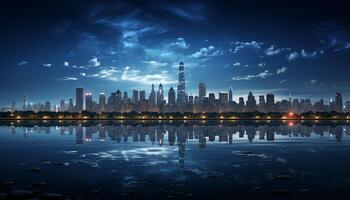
(50, 47)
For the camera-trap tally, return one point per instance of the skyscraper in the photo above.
(152, 96)
(202, 91)
(79, 99)
(63, 105)
(102, 103)
(251, 103)
(135, 96)
(160, 94)
(171, 96)
(339, 102)
(181, 89)
(70, 105)
(230, 96)
(270, 101)
(88, 102)
(223, 97)
(142, 95)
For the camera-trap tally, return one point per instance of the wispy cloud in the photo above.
(189, 11)
(205, 52)
(262, 75)
(22, 63)
(180, 43)
(292, 56)
(308, 54)
(236, 64)
(238, 46)
(135, 75)
(282, 70)
(68, 78)
(272, 50)
(47, 65)
(110, 74)
(155, 63)
(95, 62)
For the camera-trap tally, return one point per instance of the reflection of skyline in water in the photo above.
(181, 135)
(202, 134)
(123, 157)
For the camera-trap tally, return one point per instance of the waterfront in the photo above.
(163, 160)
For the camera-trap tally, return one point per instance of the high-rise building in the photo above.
(63, 105)
(230, 96)
(70, 105)
(79, 99)
(181, 88)
(152, 96)
(125, 95)
(47, 106)
(102, 103)
(88, 102)
(270, 101)
(251, 103)
(223, 97)
(202, 91)
(160, 94)
(142, 95)
(171, 96)
(339, 102)
(135, 96)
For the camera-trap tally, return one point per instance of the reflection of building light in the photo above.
(290, 124)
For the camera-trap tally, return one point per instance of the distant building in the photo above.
(79, 99)
(88, 102)
(171, 97)
(102, 103)
(202, 91)
(181, 88)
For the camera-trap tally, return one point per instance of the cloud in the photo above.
(47, 65)
(305, 54)
(273, 50)
(80, 67)
(312, 82)
(238, 46)
(135, 75)
(180, 43)
(155, 63)
(190, 11)
(94, 62)
(236, 64)
(262, 64)
(22, 63)
(107, 74)
(66, 64)
(68, 78)
(282, 70)
(132, 27)
(204, 52)
(292, 56)
(262, 75)
(283, 81)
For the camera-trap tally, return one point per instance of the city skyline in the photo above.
(263, 47)
(181, 101)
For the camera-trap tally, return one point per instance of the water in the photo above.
(168, 160)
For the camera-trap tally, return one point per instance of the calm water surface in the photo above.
(174, 160)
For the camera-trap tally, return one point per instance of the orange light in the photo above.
(291, 114)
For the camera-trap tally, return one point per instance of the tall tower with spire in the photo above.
(181, 89)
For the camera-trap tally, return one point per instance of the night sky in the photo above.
(50, 47)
